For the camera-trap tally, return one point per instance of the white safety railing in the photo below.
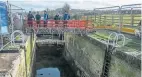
(20, 37)
(116, 39)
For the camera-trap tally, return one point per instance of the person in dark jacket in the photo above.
(66, 17)
(45, 18)
(30, 19)
(56, 18)
(38, 17)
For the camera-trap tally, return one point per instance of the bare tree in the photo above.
(47, 9)
(66, 8)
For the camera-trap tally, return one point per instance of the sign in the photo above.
(3, 14)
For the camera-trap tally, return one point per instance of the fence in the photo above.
(131, 15)
(124, 18)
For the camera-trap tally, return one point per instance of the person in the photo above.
(45, 18)
(66, 17)
(30, 19)
(56, 18)
(38, 17)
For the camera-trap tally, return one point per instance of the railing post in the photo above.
(132, 17)
(112, 19)
(95, 18)
(104, 21)
(100, 20)
(120, 19)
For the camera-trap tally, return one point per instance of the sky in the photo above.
(75, 4)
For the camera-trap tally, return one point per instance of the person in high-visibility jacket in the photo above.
(66, 17)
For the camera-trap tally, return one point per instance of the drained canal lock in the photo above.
(50, 62)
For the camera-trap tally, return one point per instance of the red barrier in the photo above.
(82, 24)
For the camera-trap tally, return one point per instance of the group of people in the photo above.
(37, 17)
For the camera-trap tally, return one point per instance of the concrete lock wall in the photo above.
(119, 68)
(125, 65)
(88, 55)
(19, 67)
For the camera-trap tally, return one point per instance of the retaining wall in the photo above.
(88, 55)
(17, 65)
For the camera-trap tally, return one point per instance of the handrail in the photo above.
(115, 37)
(131, 5)
(123, 40)
(115, 40)
(108, 7)
(137, 33)
(13, 38)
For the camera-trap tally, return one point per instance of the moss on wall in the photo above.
(21, 67)
(120, 68)
(90, 54)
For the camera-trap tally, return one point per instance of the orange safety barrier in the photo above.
(82, 24)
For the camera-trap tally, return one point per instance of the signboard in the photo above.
(3, 14)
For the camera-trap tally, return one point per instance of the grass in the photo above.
(101, 36)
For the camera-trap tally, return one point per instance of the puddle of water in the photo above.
(48, 72)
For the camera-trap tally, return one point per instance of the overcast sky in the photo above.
(75, 4)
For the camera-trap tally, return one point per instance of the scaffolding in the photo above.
(15, 22)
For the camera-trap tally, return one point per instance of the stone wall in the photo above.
(87, 55)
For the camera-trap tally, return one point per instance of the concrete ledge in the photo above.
(7, 60)
(96, 42)
(12, 62)
(130, 59)
(134, 61)
(9, 51)
(50, 41)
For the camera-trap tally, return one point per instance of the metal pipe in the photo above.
(15, 6)
(123, 40)
(123, 8)
(11, 19)
(113, 42)
(16, 9)
(0, 27)
(108, 7)
(4, 46)
(132, 17)
(120, 19)
(131, 5)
